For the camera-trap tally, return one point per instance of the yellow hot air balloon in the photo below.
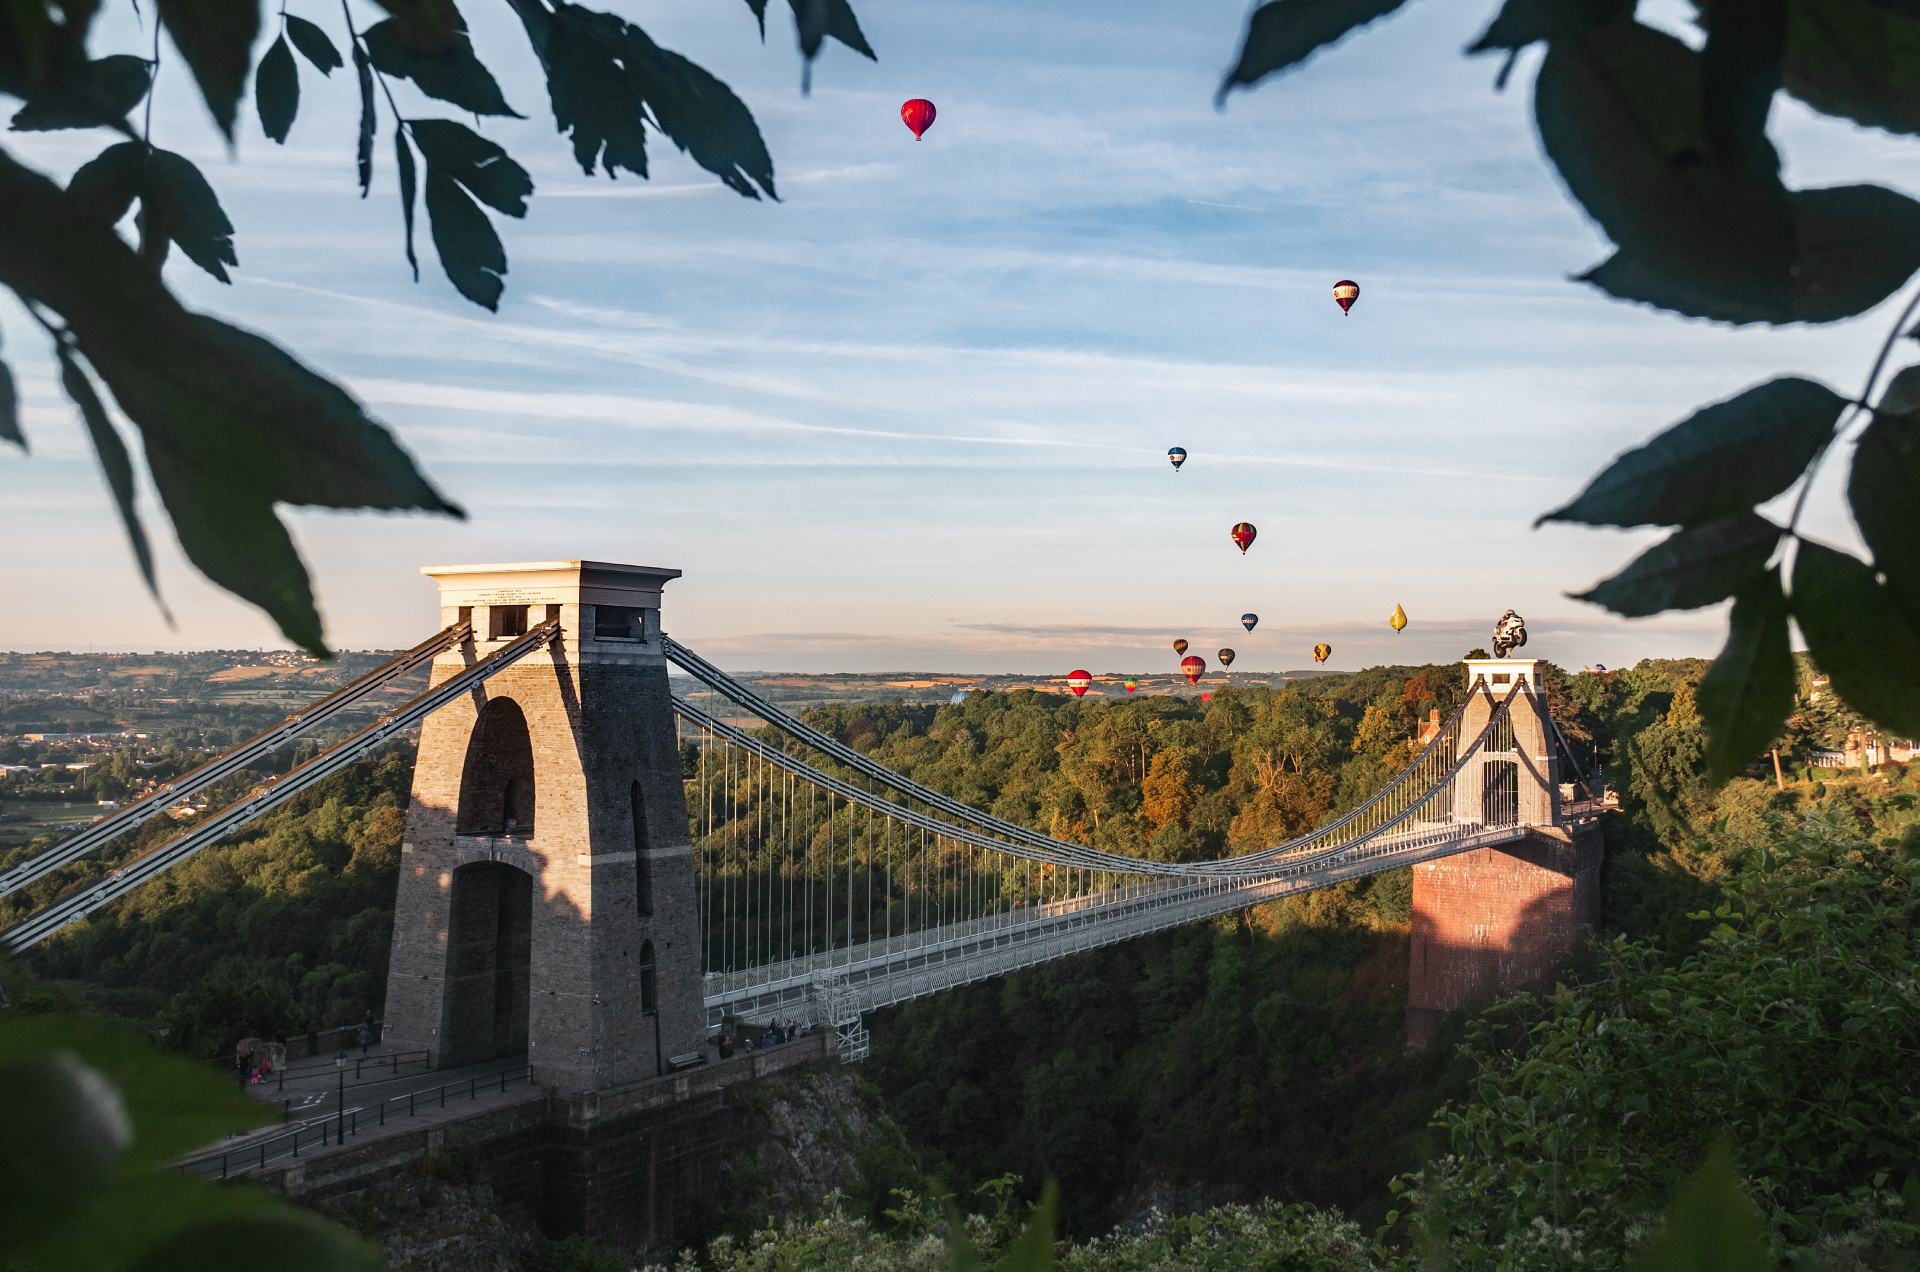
(1321, 651)
(1399, 620)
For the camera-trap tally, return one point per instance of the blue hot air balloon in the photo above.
(1248, 621)
(958, 698)
(1177, 456)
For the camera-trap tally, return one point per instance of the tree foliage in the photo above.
(232, 426)
(1666, 148)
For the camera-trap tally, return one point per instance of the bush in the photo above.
(574, 1254)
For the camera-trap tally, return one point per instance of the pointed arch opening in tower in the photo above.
(497, 795)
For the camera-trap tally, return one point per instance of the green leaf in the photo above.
(1856, 246)
(1856, 59)
(815, 20)
(140, 1216)
(180, 205)
(1620, 115)
(216, 39)
(64, 1130)
(276, 91)
(285, 1238)
(1284, 33)
(89, 95)
(702, 116)
(1712, 1227)
(1697, 566)
(114, 461)
(1748, 691)
(313, 45)
(457, 151)
(10, 409)
(177, 1104)
(1858, 636)
(1032, 1250)
(1718, 461)
(369, 117)
(1522, 22)
(451, 72)
(1883, 489)
(403, 160)
(105, 186)
(232, 424)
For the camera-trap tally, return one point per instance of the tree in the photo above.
(1667, 150)
(230, 423)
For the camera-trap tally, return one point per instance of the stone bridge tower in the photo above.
(547, 902)
(1490, 921)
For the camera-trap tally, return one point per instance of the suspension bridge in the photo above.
(789, 876)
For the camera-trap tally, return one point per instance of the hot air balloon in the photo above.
(1226, 658)
(1206, 697)
(1321, 652)
(1131, 684)
(1177, 456)
(1179, 646)
(1345, 292)
(918, 115)
(1243, 534)
(958, 698)
(1249, 620)
(1193, 667)
(1399, 620)
(1078, 682)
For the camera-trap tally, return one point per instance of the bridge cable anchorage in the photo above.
(272, 793)
(783, 933)
(1354, 822)
(97, 835)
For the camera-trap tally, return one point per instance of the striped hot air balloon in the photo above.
(1131, 684)
(918, 115)
(1078, 681)
(1345, 292)
(1177, 456)
(1243, 534)
(1179, 646)
(1193, 667)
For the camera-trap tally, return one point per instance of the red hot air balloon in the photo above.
(1078, 682)
(1226, 658)
(1345, 292)
(1243, 534)
(1206, 697)
(1132, 684)
(1193, 667)
(918, 115)
(1179, 646)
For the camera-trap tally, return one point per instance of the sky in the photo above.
(915, 414)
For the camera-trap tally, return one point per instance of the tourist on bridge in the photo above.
(366, 1040)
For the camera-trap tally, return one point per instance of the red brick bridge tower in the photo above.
(547, 902)
(1490, 921)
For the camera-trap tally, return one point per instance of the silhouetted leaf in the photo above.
(1619, 111)
(451, 72)
(1884, 489)
(64, 1132)
(1858, 636)
(1712, 1227)
(276, 91)
(181, 206)
(815, 20)
(1747, 693)
(216, 39)
(759, 8)
(1284, 33)
(114, 462)
(1522, 22)
(105, 186)
(10, 409)
(469, 248)
(313, 45)
(425, 24)
(1856, 59)
(1697, 566)
(403, 160)
(455, 150)
(1739, 71)
(290, 1240)
(34, 47)
(702, 116)
(232, 425)
(1731, 456)
(89, 95)
(368, 118)
(1856, 245)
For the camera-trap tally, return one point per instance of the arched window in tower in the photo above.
(642, 861)
(649, 992)
(497, 786)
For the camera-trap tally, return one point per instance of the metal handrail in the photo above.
(334, 1127)
(226, 764)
